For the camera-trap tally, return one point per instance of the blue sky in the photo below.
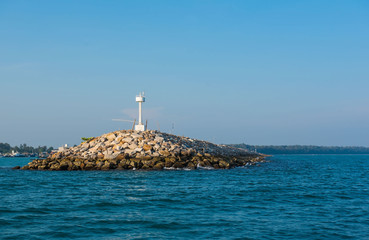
(259, 72)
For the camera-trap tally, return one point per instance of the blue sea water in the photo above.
(289, 197)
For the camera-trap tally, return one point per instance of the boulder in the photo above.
(145, 167)
(164, 153)
(112, 155)
(138, 150)
(53, 167)
(147, 147)
(41, 167)
(89, 166)
(127, 140)
(132, 146)
(125, 146)
(111, 136)
(135, 135)
(223, 164)
(158, 166)
(178, 165)
(191, 165)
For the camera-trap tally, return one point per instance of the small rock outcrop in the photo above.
(148, 150)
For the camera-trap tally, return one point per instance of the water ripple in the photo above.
(290, 197)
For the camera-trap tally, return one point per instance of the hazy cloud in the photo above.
(17, 66)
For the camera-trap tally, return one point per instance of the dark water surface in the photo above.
(290, 197)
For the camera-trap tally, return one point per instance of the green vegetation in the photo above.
(23, 148)
(301, 149)
(84, 139)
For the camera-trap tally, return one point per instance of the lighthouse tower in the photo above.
(140, 99)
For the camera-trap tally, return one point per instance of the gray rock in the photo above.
(111, 156)
(111, 136)
(132, 146)
(85, 145)
(138, 149)
(125, 145)
(135, 135)
(128, 151)
(155, 154)
(127, 139)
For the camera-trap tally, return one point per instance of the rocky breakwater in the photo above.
(149, 150)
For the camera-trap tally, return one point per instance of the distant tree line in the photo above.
(302, 149)
(23, 148)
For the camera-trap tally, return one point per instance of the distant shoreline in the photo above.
(302, 149)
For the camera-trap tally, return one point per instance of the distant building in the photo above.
(61, 149)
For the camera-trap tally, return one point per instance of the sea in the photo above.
(286, 197)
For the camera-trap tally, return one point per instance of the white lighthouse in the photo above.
(140, 99)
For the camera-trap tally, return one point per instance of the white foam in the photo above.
(172, 168)
(205, 168)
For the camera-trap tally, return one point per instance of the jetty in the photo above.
(147, 150)
(140, 148)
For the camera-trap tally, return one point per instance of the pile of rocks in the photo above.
(155, 150)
